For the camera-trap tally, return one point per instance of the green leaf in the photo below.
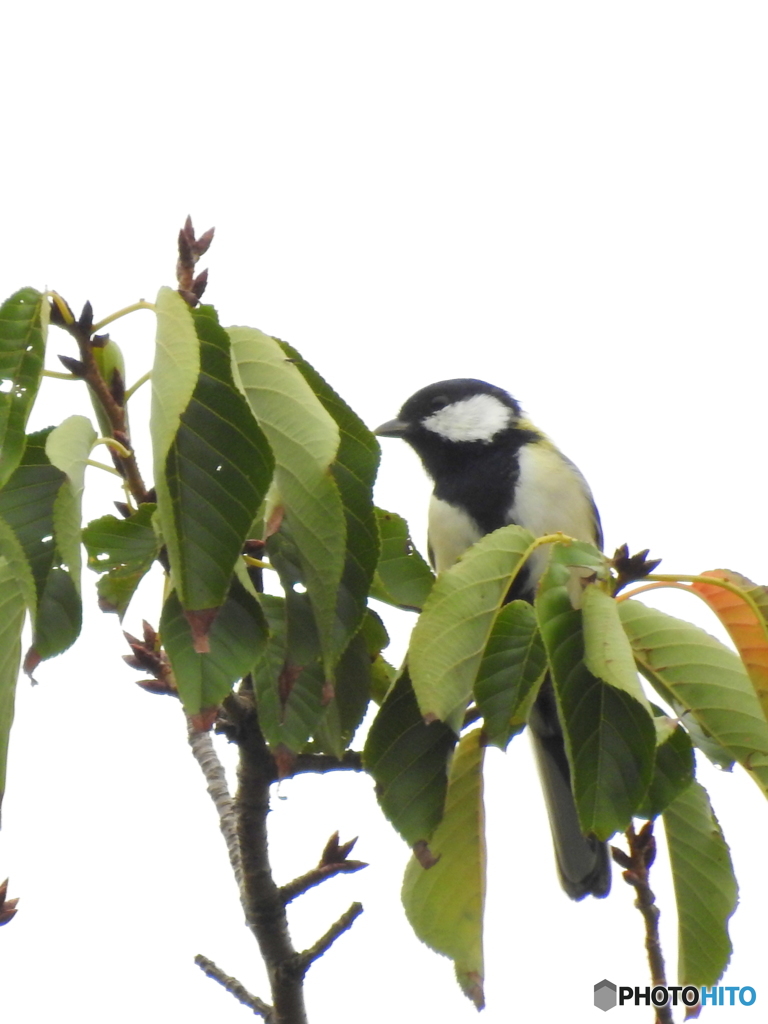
(382, 673)
(217, 472)
(23, 328)
(672, 772)
(174, 374)
(705, 887)
(383, 676)
(408, 760)
(58, 621)
(304, 439)
(29, 539)
(444, 894)
(718, 755)
(403, 578)
(610, 737)
(690, 668)
(68, 447)
(268, 667)
(354, 470)
(288, 676)
(123, 550)
(237, 637)
(352, 693)
(12, 551)
(11, 622)
(374, 633)
(513, 662)
(607, 652)
(450, 635)
(26, 509)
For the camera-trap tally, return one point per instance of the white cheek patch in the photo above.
(479, 418)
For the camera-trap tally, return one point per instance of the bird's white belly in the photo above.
(551, 496)
(451, 532)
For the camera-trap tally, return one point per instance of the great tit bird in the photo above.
(492, 467)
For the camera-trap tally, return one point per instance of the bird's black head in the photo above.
(454, 412)
(455, 422)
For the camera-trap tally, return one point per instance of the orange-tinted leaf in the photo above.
(749, 631)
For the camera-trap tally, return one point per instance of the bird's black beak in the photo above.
(392, 428)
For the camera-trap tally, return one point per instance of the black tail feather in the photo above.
(583, 861)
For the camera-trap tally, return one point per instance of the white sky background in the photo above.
(568, 200)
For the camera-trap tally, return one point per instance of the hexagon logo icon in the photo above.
(605, 995)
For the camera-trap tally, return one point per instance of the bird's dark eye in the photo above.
(439, 402)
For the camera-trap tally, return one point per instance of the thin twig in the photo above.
(334, 861)
(642, 852)
(238, 990)
(114, 410)
(324, 943)
(213, 770)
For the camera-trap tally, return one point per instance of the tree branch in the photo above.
(213, 770)
(87, 369)
(265, 909)
(238, 990)
(642, 852)
(307, 958)
(333, 862)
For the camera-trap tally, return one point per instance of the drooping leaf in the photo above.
(513, 662)
(268, 667)
(174, 376)
(29, 539)
(11, 621)
(237, 637)
(450, 635)
(59, 618)
(289, 679)
(374, 633)
(408, 759)
(444, 891)
(673, 771)
(403, 578)
(689, 668)
(610, 737)
(351, 696)
(705, 887)
(354, 470)
(607, 652)
(123, 550)
(305, 440)
(376, 638)
(15, 556)
(746, 619)
(26, 508)
(383, 676)
(23, 328)
(217, 471)
(713, 751)
(68, 447)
